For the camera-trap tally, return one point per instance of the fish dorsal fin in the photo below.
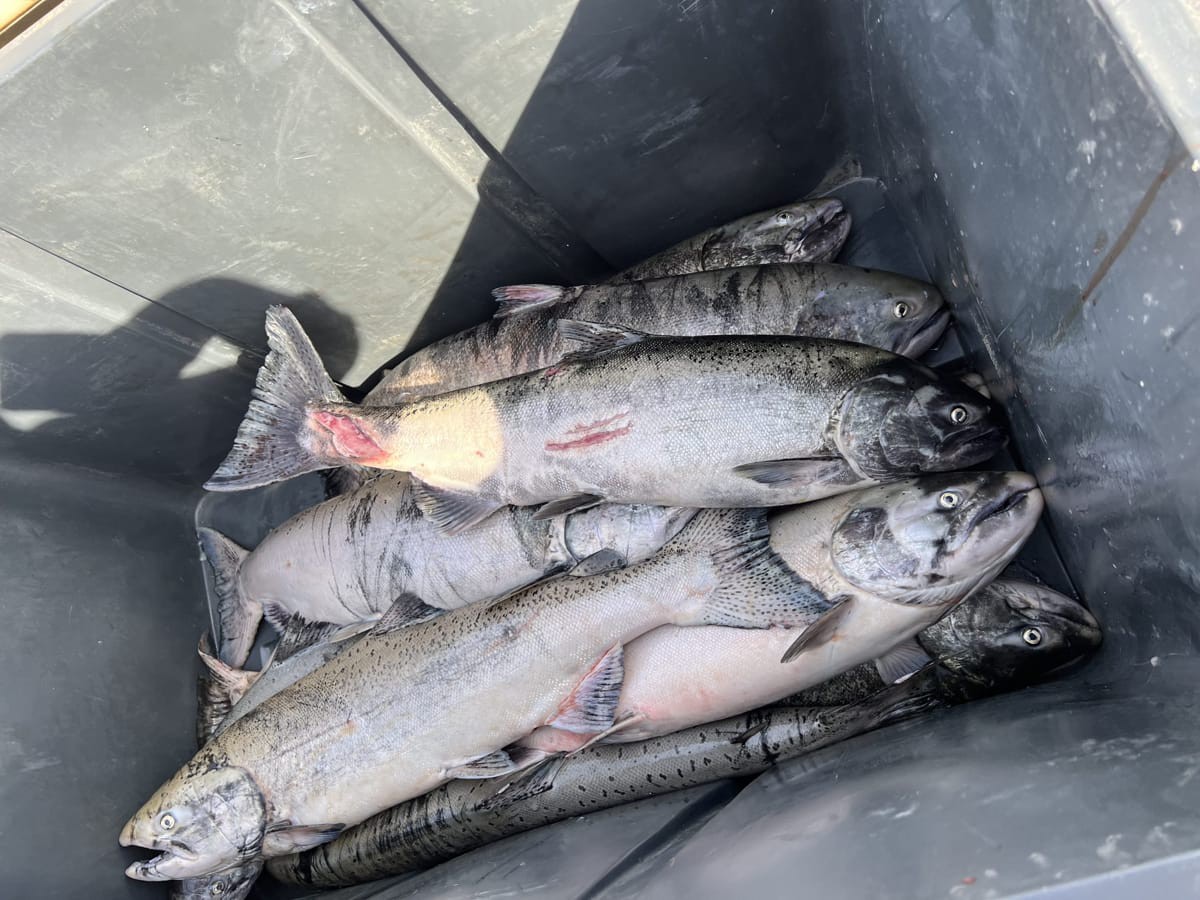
(790, 472)
(451, 511)
(756, 587)
(515, 299)
(591, 707)
(595, 338)
(821, 631)
(408, 609)
(902, 661)
(574, 503)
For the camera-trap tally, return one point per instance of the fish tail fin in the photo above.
(522, 298)
(270, 445)
(755, 587)
(238, 614)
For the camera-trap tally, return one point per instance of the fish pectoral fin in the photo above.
(522, 298)
(452, 511)
(538, 779)
(408, 609)
(800, 471)
(902, 662)
(496, 764)
(283, 838)
(591, 707)
(606, 560)
(574, 503)
(595, 339)
(821, 631)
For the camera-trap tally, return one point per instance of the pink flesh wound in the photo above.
(349, 437)
(590, 435)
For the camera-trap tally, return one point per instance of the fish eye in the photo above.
(783, 218)
(218, 888)
(166, 821)
(1032, 636)
(900, 310)
(958, 415)
(949, 499)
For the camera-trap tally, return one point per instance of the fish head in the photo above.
(880, 309)
(229, 884)
(908, 419)
(636, 531)
(808, 231)
(209, 817)
(933, 540)
(1011, 633)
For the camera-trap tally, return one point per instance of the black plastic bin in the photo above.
(169, 169)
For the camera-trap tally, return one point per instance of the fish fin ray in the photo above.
(451, 511)
(515, 299)
(606, 560)
(902, 662)
(536, 780)
(591, 706)
(821, 631)
(573, 503)
(282, 838)
(237, 614)
(756, 588)
(269, 445)
(408, 609)
(233, 680)
(595, 339)
(496, 764)
(799, 471)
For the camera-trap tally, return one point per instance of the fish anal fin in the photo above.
(821, 631)
(590, 708)
(595, 339)
(450, 510)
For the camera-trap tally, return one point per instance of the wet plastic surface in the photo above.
(171, 169)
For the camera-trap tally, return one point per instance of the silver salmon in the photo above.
(807, 231)
(351, 558)
(869, 307)
(691, 422)
(890, 560)
(404, 710)
(1005, 636)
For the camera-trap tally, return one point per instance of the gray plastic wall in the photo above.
(169, 169)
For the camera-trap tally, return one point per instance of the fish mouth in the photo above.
(819, 239)
(973, 446)
(1012, 500)
(151, 869)
(927, 334)
(1074, 621)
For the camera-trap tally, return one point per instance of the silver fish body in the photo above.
(400, 712)
(348, 559)
(983, 646)
(816, 300)
(949, 534)
(691, 422)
